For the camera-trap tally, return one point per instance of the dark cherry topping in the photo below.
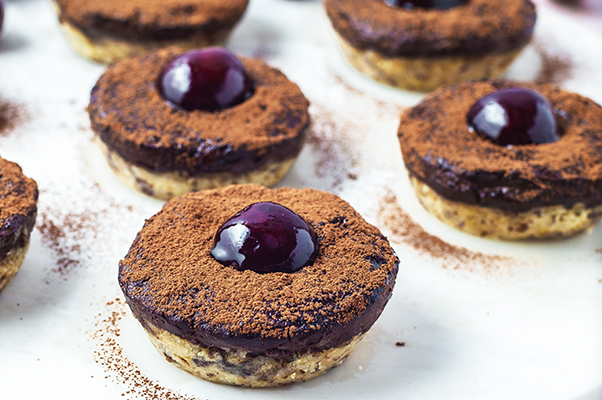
(513, 116)
(210, 79)
(265, 237)
(426, 4)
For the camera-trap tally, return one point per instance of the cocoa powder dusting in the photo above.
(11, 116)
(18, 193)
(54, 234)
(111, 356)
(68, 233)
(555, 68)
(404, 230)
(333, 159)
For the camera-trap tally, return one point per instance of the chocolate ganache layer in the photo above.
(128, 113)
(18, 207)
(439, 149)
(476, 28)
(141, 20)
(170, 279)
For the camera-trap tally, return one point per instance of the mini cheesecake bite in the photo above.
(18, 210)
(109, 30)
(507, 160)
(422, 44)
(257, 287)
(176, 121)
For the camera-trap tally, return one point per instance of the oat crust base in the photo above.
(107, 49)
(539, 223)
(11, 265)
(427, 73)
(235, 367)
(166, 185)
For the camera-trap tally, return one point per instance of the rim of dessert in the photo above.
(422, 49)
(111, 30)
(325, 305)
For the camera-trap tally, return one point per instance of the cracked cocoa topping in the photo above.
(130, 116)
(475, 28)
(140, 20)
(170, 279)
(18, 209)
(440, 150)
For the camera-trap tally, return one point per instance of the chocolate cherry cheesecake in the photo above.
(109, 30)
(18, 209)
(504, 159)
(251, 286)
(422, 44)
(171, 122)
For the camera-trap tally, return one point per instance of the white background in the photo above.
(527, 325)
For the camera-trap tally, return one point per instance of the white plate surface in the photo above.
(480, 319)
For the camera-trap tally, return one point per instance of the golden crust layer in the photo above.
(11, 265)
(426, 73)
(107, 50)
(166, 185)
(239, 369)
(539, 223)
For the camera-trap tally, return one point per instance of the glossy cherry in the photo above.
(514, 116)
(265, 237)
(210, 79)
(426, 4)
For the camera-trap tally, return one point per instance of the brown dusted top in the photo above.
(139, 20)
(130, 116)
(476, 28)
(170, 279)
(460, 165)
(18, 207)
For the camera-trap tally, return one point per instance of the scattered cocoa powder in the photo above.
(68, 233)
(111, 356)
(400, 344)
(404, 230)
(555, 68)
(333, 159)
(54, 234)
(11, 115)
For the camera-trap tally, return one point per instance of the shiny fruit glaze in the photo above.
(425, 4)
(210, 79)
(265, 237)
(513, 117)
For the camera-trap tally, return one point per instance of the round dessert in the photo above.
(108, 30)
(258, 287)
(422, 44)
(172, 122)
(18, 209)
(505, 159)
